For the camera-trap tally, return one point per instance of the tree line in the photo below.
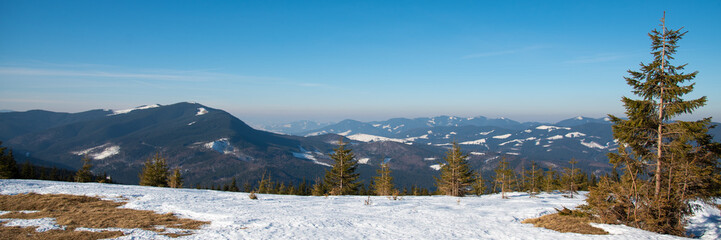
(9, 169)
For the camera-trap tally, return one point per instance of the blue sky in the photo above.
(281, 61)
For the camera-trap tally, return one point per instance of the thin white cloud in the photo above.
(596, 58)
(503, 52)
(14, 71)
(148, 77)
(31, 100)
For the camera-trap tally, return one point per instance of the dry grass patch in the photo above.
(30, 233)
(566, 221)
(90, 212)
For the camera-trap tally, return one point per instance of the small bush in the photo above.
(252, 196)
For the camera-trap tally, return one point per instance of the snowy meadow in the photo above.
(234, 215)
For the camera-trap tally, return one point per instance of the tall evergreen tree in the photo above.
(383, 182)
(534, 178)
(456, 176)
(342, 179)
(318, 188)
(479, 185)
(549, 181)
(570, 178)
(265, 184)
(660, 157)
(176, 180)
(155, 172)
(504, 177)
(27, 171)
(8, 166)
(84, 174)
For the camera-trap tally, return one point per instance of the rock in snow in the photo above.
(234, 216)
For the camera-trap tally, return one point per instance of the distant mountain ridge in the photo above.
(394, 126)
(293, 128)
(211, 146)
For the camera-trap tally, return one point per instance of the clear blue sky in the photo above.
(331, 60)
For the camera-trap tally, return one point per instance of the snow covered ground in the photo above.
(235, 216)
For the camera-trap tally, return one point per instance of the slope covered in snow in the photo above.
(235, 216)
(124, 111)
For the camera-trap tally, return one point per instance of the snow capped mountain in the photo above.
(293, 128)
(582, 138)
(212, 146)
(582, 120)
(396, 126)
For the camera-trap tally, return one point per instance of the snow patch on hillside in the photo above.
(411, 139)
(518, 141)
(574, 134)
(437, 167)
(310, 155)
(504, 136)
(201, 111)
(189, 124)
(364, 160)
(478, 153)
(221, 145)
(486, 133)
(99, 152)
(592, 144)
(491, 159)
(373, 138)
(476, 142)
(551, 128)
(557, 137)
(124, 111)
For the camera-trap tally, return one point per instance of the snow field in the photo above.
(235, 216)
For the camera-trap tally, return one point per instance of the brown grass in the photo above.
(566, 223)
(29, 233)
(89, 212)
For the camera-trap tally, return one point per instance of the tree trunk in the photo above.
(659, 150)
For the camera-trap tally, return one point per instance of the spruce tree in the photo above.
(534, 179)
(318, 188)
(570, 178)
(28, 170)
(549, 181)
(8, 166)
(504, 177)
(176, 180)
(83, 174)
(155, 172)
(265, 184)
(383, 182)
(342, 179)
(456, 176)
(665, 162)
(479, 185)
